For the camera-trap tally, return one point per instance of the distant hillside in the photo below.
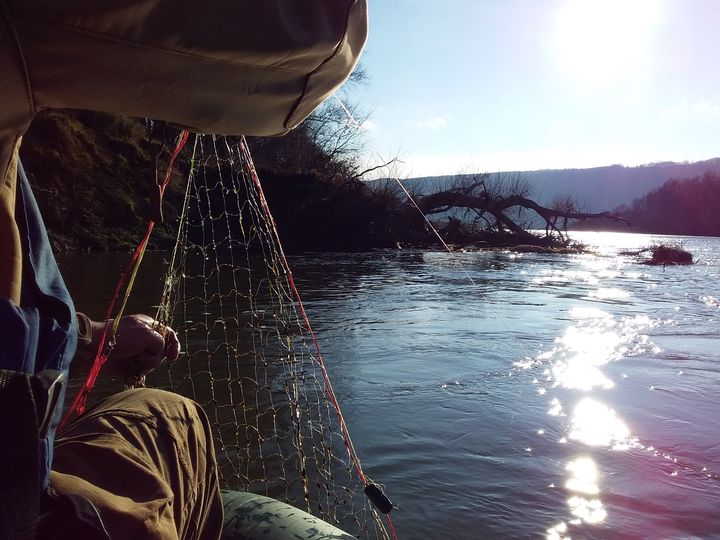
(92, 175)
(687, 207)
(597, 189)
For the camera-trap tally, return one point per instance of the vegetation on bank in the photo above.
(93, 175)
(664, 255)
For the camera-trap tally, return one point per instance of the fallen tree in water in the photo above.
(500, 211)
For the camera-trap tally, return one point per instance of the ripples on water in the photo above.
(565, 396)
(561, 397)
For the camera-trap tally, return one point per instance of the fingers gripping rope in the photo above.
(107, 339)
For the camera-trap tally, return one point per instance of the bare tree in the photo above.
(498, 204)
(329, 142)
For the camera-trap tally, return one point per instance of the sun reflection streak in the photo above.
(584, 497)
(588, 510)
(593, 342)
(592, 347)
(550, 277)
(579, 375)
(577, 362)
(556, 408)
(605, 293)
(557, 532)
(584, 476)
(601, 341)
(583, 483)
(596, 424)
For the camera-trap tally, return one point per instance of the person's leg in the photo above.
(146, 459)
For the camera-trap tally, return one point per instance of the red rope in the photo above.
(303, 314)
(106, 339)
(321, 362)
(392, 527)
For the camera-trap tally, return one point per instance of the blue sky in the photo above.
(487, 85)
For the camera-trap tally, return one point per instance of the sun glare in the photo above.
(603, 41)
(596, 424)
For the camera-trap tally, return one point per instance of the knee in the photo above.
(162, 406)
(154, 397)
(181, 418)
(167, 405)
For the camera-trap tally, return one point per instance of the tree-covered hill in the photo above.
(685, 207)
(92, 175)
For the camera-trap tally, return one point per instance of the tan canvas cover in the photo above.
(253, 67)
(227, 66)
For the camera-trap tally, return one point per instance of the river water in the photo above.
(501, 395)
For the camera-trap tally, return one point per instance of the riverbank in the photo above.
(93, 175)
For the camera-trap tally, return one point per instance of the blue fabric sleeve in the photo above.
(41, 333)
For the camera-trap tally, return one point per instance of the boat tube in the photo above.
(253, 517)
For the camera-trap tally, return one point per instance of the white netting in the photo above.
(248, 358)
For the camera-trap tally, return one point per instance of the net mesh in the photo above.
(248, 357)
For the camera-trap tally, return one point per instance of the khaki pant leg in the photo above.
(146, 459)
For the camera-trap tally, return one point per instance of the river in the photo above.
(501, 395)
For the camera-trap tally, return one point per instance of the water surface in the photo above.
(557, 396)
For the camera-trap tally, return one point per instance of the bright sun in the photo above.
(605, 41)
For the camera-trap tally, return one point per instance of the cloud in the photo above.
(369, 125)
(709, 107)
(434, 122)
(706, 109)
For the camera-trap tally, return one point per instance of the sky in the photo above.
(492, 85)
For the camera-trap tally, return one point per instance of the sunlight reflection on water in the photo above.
(593, 339)
(583, 477)
(587, 510)
(595, 424)
(549, 277)
(609, 294)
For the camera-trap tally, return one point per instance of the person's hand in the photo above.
(141, 345)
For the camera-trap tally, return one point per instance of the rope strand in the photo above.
(306, 321)
(107, 338)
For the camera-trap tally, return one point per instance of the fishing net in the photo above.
(250, 358)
